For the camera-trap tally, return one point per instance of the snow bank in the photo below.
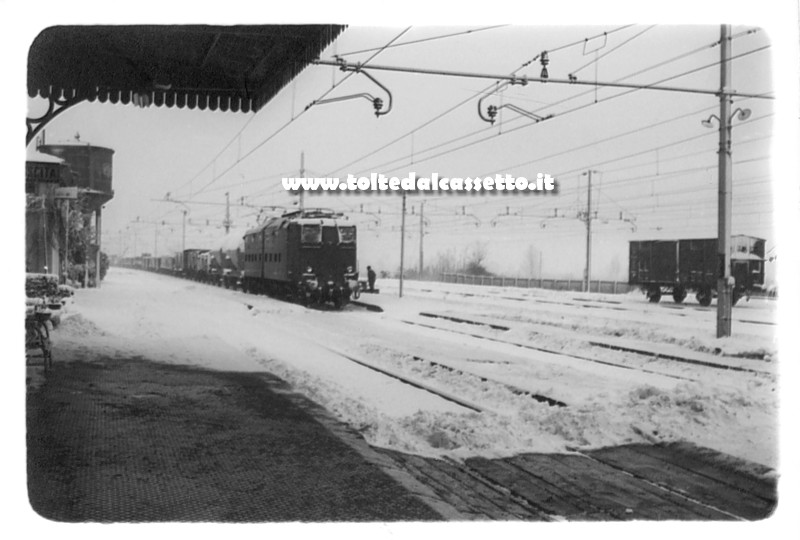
(172, 320)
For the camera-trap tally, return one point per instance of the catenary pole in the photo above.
(724, 289)
(402, 241)
(183, 233)
(588, 273)
(302, 174)
(421, 235)
(227, 212)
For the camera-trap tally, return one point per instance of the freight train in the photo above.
(678, 267)
(308, 256)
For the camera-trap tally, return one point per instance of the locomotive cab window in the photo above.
(329, 235)
(347, 235)
(311, 234)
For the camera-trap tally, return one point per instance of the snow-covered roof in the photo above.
(317, 221)
(261, 226)
(739, 256)
(39, 157)
(308, 217)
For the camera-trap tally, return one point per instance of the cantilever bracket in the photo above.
(377, 102)
(56, 105)
(491, 110)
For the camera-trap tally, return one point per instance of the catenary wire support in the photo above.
(377, 102)
(492, 110)
(570, 81)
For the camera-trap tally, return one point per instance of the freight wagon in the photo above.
(195, 264)
(227, 260)
(166, 264)
(678, 267)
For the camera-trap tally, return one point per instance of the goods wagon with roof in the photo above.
(678, 267)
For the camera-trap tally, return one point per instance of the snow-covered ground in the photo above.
(612, 397)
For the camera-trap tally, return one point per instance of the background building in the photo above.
(67, 183)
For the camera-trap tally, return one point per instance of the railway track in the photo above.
(700, 360)
(592, 303)
(631, 482)
(416, 383)
(550, 351)
(675, 481)
(444, 394)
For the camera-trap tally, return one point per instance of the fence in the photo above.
(609, 287)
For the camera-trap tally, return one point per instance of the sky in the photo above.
(654, 164)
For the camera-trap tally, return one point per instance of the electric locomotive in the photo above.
(307, 255)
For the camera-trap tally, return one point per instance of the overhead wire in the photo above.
(424, 40)
(599, 57)
(431, 121)
(455, 107)
(293, 119)
(561, 114)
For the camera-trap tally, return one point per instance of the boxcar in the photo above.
(195, 264)
(166, 264)
(228, 259)
(678, 267)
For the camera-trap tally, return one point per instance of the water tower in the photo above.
(90, 170)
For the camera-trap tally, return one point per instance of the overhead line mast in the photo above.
(724, 200)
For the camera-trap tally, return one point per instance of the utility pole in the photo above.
(155, 241)
(302, 174)
(402, 241)
(724, 289)
(421, 234)
(588, 272)
(541, 256)
(227, 213)
(183, 236)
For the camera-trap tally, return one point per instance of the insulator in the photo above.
(544, 60)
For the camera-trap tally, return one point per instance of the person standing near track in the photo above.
(371, 278)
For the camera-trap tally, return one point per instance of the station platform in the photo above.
(116, 438)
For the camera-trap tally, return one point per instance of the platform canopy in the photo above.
(227, 68)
